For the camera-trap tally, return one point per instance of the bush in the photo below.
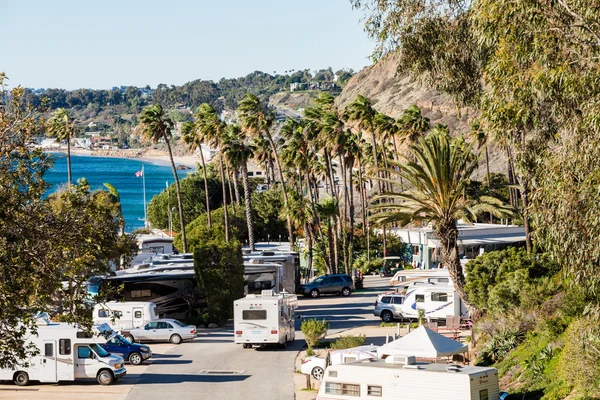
(348, 342)
(313, 331)
(367, 267)
(220, 270)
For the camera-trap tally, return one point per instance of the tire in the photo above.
(175, 339)
(135, 358)
(129, 337)
(105, 377)
(317, 373)
(382, 275)
(246, 346)
(314, 293)
(387, 316)
(346, 292)
(284, 344)
(21, 378)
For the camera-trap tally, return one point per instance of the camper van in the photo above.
(438, 301)
(263, 319)
(126, 315)
(66, 354)
(400, 377)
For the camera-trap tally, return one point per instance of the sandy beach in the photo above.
(150, 155)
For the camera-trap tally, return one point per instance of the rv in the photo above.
(126, 315)
(66, 354)
(438, 301)
(399, 377)
(259, 277)
(290, 262)
(265, 319)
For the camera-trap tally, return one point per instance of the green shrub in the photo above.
(348, 342)
(498, 347)
(366, 267)
(313, 330)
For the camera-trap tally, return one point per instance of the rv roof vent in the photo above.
(405, 360)
(268, 253)
(266, 293)
(453, 368)
(412, 366)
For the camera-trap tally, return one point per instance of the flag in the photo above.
(139, 173)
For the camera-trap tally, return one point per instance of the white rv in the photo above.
(290, 267)
(438, 301)
(399, 377)
(267, 318)
(66, 354)
(125, 315)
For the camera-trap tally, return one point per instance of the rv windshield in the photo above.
(99, 350)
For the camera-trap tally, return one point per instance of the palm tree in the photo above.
(434, 194)
(62, 126)
(212, 129)
(328, 209)
(238, 151)
(257, 120)
(156, 125)
(192, 136)
(414, 124)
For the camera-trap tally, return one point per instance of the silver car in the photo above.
(162, 330)
(388, 306)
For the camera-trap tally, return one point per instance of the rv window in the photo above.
(346, 389)
(49, 350)
(254, 314)
(333, 388)
(84, 335)
(141, 293)
(439, 297)
(333, 374)
(137, 314)
(118, 314)
(84, 352)
(349, 359)
(374, 391)
(102, 313)
(64, 347)
(483, 394)
(420, 298)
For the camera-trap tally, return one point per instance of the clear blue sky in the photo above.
(74, 44)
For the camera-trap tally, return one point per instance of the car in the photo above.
(132, 352)
(388, 306)
(329, 284)
(315, 366)
(161, 330)
(391, 265)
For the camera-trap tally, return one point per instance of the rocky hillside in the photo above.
(392, 91)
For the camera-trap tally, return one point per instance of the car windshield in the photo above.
(121, 339)
(99, 350)
(179, 323)
(318, 279)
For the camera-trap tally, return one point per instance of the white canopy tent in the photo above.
(424, 343)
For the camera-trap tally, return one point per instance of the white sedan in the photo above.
(162, 330)
(315, 366)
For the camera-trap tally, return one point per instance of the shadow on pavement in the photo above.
(154, 355)
(171, 362)
(152, 379)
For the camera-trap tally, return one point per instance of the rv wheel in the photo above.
(387, 316)
(314, 293)
(175, 339)
(317, 373)
(105, 377)
(21, 378)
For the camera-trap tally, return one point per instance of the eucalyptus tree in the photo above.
(156, 125)
(62, 126)
(257, 119)
(193, 137)
(238, 150)
(211, 127)
(434, 194)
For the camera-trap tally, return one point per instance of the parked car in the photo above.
(329, 284)
(133, 352)
(388, 306)
(162, 330)
(315, 366)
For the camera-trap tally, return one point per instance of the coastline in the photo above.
(149, 155)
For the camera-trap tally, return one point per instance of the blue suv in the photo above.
(135, 353)
(329, 284)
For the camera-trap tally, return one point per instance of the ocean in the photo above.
(119, 172)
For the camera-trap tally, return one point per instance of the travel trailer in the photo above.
(400, 377)
(66, 354)
(126, 315)
(263, 319)
(438, 301)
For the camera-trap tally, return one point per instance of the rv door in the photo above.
(85, 365)
(48, 367)
(138, 317)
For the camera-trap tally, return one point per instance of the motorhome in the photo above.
(438, 301)
(259, 277)
(263, 319)
(125, 315)
(290, 262)
(66, 353)
(400, 377)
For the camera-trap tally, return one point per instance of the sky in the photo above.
(74, 44)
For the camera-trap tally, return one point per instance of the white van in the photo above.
(266, 318)
(66, 354)
(125, 315)
(399, 377)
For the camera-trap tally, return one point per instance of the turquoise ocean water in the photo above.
(119, 172)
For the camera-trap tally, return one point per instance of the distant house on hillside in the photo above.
(298, 86)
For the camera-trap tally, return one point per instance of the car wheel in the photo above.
(314, 293)
(129, 337)
(382, 275)
(21, 378)
(175, 339)
(387, 316)
(317, 373)
(135, 358)
(105, 377)
(346, 292)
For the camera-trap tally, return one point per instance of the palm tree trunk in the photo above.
(248, 201)
(231, 198)
(236, 187)
(316, 222)
(69, 181)
(344, 218)
(329, 169)
(330, 244)
(309, 243)
(207, 199)
(179, 203)
(225, 216)
(487, 165)
(363, 197)
(285, 196)
(351, 212)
